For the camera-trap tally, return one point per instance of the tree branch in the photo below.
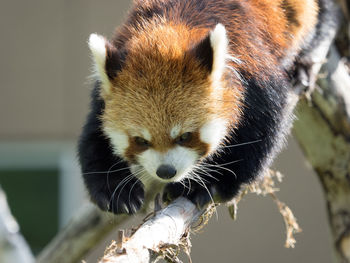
(165, 229)
(85, 230)
(13, 247)
(323, 132)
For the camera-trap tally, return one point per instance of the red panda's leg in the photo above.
(310, 60)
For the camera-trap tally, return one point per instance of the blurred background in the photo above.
(44, 96)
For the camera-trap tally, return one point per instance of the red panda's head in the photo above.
(167, 104)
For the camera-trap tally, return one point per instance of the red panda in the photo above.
(191, 98)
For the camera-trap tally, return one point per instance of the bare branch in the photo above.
(165, 229)
(86, 229)
(323, 132)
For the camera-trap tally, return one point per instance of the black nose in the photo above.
(166, 171)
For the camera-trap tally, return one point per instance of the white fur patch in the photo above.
(175, 131)
(213, 133)
(180, 157)
(219, 43)
(146, 134)
(150, 160)
(119, 140)
(143, 133)
(97, 45)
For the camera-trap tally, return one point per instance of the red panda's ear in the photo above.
(212, 51)
(219, 43)
(107, 60)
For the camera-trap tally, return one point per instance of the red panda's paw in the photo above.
(173, 191)
(202, 195)
(199, 195)
(126, 199)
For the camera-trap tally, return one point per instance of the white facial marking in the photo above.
(97, 45)
(180, 157)
(213, 133)
(219, 43)
(175, 131)
(141, 132)
(146, 134)
(150, 160)
(119, 140)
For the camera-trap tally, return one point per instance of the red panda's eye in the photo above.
(184, 138)
(142, 142)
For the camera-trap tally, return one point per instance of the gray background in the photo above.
(43, 102)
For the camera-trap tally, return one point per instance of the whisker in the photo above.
(199, 176)
(131, 176)
(209, 169)
(205, 173)
(183, 184)
(137, 181)
(121, 190)
(123, 183)
(103, 172)
(211, 197)
(206, 168)
(189, 185)
(226, 169)
(241, 144)
(109, 171)
(223, 164)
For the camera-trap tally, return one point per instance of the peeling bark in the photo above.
(323, 132)
(165, 229)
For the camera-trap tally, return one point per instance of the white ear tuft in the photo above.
(219, 43)
(97, 45)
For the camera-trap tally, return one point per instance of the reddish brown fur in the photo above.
(281, 25)
(196, 144)
(287, 22)
(133, 150)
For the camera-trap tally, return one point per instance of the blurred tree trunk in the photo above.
(323, 132)
(13, 247)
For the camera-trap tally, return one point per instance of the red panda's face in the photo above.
(164, 120)
(167, 107)
(175, 150)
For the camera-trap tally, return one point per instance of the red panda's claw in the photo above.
(128, 200)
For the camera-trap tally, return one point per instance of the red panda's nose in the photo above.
(166, 171)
